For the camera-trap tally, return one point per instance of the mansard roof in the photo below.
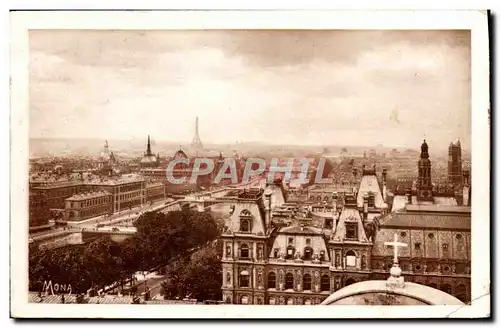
(369, 183)
(349, 215)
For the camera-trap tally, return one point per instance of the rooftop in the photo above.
(89, 195)
(430, 220)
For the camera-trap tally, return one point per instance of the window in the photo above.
(289, 301)
(371, 200)
(244, 251)
(244, 300)
(307, 302)
(351, 231)
(431, 236)
(307, 282)
(308, 252)
(417, 246)
(461, 293)
(308, 241)
(244, 278)
(290, 251)
(271, 280)
(289, 281)
(272, 301)
(290, 240)
(325, 283)
(350, 281)
(276, 251)
(328, 223)
(446, 288)
(350, 257)
(458, 237)
(445, 250)
(459, 268)
(403, 234)
(245, 225)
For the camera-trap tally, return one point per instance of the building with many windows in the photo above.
(305, 258)
(88, 205)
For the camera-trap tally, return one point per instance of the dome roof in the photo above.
(180, 154)
(148, 159)
(377, 292)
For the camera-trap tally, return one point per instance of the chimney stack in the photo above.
(267, 196)
(408, 196)
(365, 206)
(384, 184)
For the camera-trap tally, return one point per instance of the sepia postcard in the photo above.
(264, 164)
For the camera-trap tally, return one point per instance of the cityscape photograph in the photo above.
(250, 167)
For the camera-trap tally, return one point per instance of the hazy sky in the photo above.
(294, 87)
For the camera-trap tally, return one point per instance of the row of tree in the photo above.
(159, 239)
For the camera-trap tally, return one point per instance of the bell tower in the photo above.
(424, 185)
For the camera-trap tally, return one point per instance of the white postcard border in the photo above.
(476, 21)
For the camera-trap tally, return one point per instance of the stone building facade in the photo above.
(304, 261)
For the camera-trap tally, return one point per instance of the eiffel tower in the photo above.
(196, 143)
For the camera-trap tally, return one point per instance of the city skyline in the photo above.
(396, 87)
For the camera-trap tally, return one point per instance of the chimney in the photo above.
(408, 196)
(384, 185)
(365, 206)
(268, 209)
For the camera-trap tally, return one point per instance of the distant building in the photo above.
(149, 160)
(88, 205)
(455, 164)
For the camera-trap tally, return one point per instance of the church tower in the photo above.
(455, 164)
(424, 186)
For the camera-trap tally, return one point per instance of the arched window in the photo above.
(325, 283)
(245, 212)
(244, 278)
(289, 301)
(289, 281)
(245, 225)
(244, 251)
(307, 302)
(350, 258)
(307, 281)
(271, 280)
(446, 288)
(350, 281)
(461, 293)
(325, 199)
(244, 300)
(308, 252)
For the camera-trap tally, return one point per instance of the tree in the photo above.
(198, 275)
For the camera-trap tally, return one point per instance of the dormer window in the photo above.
(290, 252)
(371, 199)
(351, 231)
(308, 252)
(322, 255)
(245, 225)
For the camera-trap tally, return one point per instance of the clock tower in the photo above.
(424, 187)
